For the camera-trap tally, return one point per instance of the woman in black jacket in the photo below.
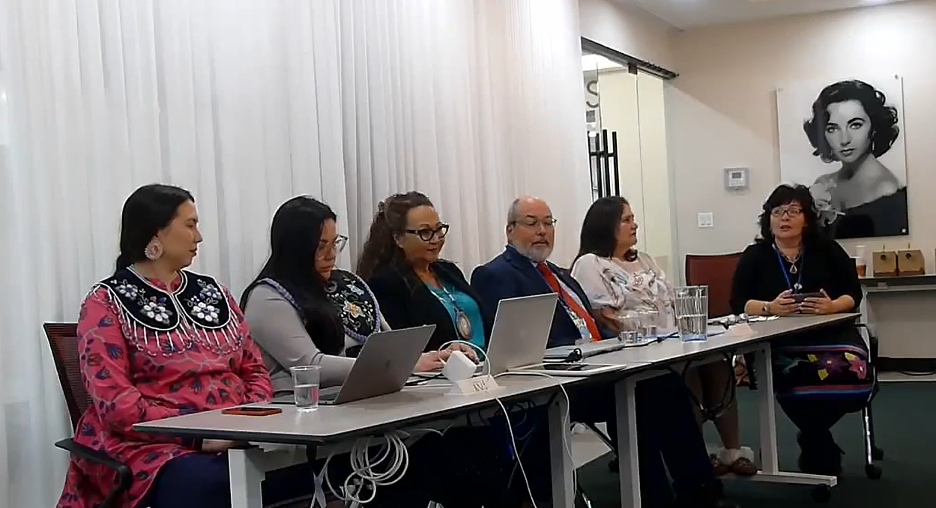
(401, 264)
(819, 375)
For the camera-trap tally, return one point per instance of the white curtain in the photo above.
(472, 103)
(235, 100)
(247, 103)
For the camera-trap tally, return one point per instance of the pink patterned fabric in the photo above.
(132, 381)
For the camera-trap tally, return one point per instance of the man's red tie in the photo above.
(553, 282)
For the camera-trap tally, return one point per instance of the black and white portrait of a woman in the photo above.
(844, 139)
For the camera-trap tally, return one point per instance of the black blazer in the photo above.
(405, 301)
(512, 275)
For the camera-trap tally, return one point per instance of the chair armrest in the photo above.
(98, 457)
(873, 342)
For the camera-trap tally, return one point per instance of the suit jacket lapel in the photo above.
(522, 263)
(569, 282)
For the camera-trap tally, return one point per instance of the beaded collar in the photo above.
(353, 300)
(196, 312)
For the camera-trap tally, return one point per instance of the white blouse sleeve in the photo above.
(590, 273)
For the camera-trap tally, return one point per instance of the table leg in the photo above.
(246, 477)
(627, 441)
(768, 414)
(560, 442)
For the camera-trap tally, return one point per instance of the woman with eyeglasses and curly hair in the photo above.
(819, 375)
(401, 262)
(402, 265)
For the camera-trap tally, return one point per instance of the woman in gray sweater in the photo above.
(304, 311)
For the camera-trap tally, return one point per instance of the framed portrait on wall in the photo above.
(844, 139)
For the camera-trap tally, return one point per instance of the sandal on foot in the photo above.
(739, 461)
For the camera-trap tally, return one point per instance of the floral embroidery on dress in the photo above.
(151, 314)
(357, 307)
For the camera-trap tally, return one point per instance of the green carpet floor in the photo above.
(905, 420)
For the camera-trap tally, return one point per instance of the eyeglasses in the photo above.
(338, 245)
(533, 222)
(427, 234)
(790, 210)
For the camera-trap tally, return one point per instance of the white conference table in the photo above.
(674, 354)
(335, 424)
(419, 405)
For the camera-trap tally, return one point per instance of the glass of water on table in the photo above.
(691, 304)
(630, 327)
(306, 386)
(648, 320)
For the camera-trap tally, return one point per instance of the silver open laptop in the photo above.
(518, 340)
(385, 362)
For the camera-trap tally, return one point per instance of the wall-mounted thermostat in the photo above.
(736, 179)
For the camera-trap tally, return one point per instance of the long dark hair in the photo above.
(381, 250)
(784, 195)
(294, 239)
(599, 229)
(147, 211)
(884, 129)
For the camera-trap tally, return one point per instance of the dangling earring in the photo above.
(154, 250)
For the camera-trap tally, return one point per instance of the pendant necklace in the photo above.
(462, 322)
(793, 261)
(798, 286)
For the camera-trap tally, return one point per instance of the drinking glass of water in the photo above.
(691, 306)
(648, 320)
(306, 381)
(629, 326)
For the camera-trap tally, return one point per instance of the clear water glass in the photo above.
(630, 327)
(648, 320)
(691, 306)
(306, 386)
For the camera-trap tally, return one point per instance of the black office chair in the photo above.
(872, 452)
(63, 339)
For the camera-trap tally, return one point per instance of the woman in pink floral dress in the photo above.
(157, 341)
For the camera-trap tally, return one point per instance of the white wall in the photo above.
(722, 110)
(629, 30)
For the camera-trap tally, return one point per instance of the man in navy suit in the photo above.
(523, 269)
(666, 428)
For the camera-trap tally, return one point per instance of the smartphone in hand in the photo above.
(801, 297)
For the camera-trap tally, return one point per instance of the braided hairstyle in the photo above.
(381, 250)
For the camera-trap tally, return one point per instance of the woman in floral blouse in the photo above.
(158, 341)
(620, 282)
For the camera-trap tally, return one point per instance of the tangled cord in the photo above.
(728, 398)
(387, 466)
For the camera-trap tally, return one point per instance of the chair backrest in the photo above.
(716, 272)
(63, 339)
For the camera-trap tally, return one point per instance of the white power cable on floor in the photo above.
(368, 472)
(565, 422)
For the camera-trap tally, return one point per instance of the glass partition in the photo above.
(626, 105)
